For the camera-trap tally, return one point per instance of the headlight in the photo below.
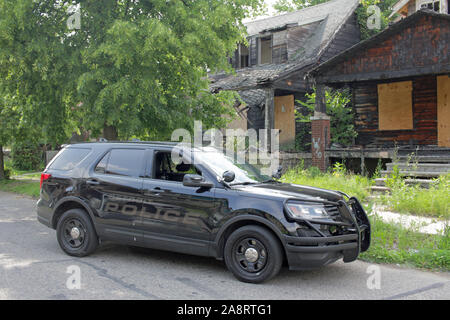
(308, 211)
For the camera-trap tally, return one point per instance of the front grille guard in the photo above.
(355, 219)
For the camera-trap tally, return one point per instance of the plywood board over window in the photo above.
(443, 112)
(395, 106)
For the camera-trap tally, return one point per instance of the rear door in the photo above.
(114, 190)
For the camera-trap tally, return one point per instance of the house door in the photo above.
(443, 114)
(285, 118)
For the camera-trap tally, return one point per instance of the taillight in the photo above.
(44, 176)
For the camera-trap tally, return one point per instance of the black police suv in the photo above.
(196, 201)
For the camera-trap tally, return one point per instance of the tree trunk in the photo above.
(2, 164)
(110, 133)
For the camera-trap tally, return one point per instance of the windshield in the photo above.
(218, 162)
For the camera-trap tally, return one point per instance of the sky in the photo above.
(270, 12)
(270, 3)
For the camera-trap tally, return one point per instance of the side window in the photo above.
(123, 162)
(69, 158)
(165, 169)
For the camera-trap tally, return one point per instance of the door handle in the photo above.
(92, 182)
(153, 192)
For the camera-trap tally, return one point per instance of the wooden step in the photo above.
(426, 159)
(424, 183)
(378, 189)
(414, 174)
(440, 168)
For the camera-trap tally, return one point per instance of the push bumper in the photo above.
(312, 252)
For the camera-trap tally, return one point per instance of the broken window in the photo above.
(265, 50)
(431, 5)
(244, 56)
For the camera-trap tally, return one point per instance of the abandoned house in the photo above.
(400, 81)
(270, 72)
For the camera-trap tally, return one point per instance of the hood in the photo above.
(288, 190)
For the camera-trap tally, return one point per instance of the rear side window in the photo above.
(123, 162)
(69, 158)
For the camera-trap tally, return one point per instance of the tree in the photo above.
(147, 63)
(36, 69)
(366, 11)
(9, 116)
(342, 127)
(133, 68)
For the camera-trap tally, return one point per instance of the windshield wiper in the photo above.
(270, 181)
(242, 183)
(259, 182)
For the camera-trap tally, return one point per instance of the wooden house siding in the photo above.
(420, 48)
(424, 109)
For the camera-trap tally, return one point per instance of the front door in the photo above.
(176, 217)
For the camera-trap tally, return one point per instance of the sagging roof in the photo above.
(375, 40)
(332, 16)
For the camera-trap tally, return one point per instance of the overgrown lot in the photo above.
(392, 243)
(432, 202)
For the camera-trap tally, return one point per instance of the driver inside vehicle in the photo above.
(166, 169)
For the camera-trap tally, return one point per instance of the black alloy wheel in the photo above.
(76, 234)
(253, 254)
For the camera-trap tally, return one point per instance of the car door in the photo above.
(176, 217)
(114, 189)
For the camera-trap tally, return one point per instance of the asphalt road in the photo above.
(32, 266)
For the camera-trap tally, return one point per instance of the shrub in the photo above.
(8, 172)
(26, 155)
(337, 102)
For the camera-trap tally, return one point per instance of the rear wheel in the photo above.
(76, 234)
(253, 254)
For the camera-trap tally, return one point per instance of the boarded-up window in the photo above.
(443, 112)
(395, 106)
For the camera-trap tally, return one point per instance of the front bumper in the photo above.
(313, 252)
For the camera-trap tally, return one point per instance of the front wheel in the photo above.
(76, 234)
(253, 254)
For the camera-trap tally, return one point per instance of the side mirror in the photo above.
(228, 176)
(278, 173)
(197, 181)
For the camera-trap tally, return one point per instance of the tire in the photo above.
(87, 240)
(245, 264)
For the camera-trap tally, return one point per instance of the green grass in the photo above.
(353, 185)
(29, 188)
(433, 202)
(393, 244)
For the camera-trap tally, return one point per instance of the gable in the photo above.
(420, 47)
